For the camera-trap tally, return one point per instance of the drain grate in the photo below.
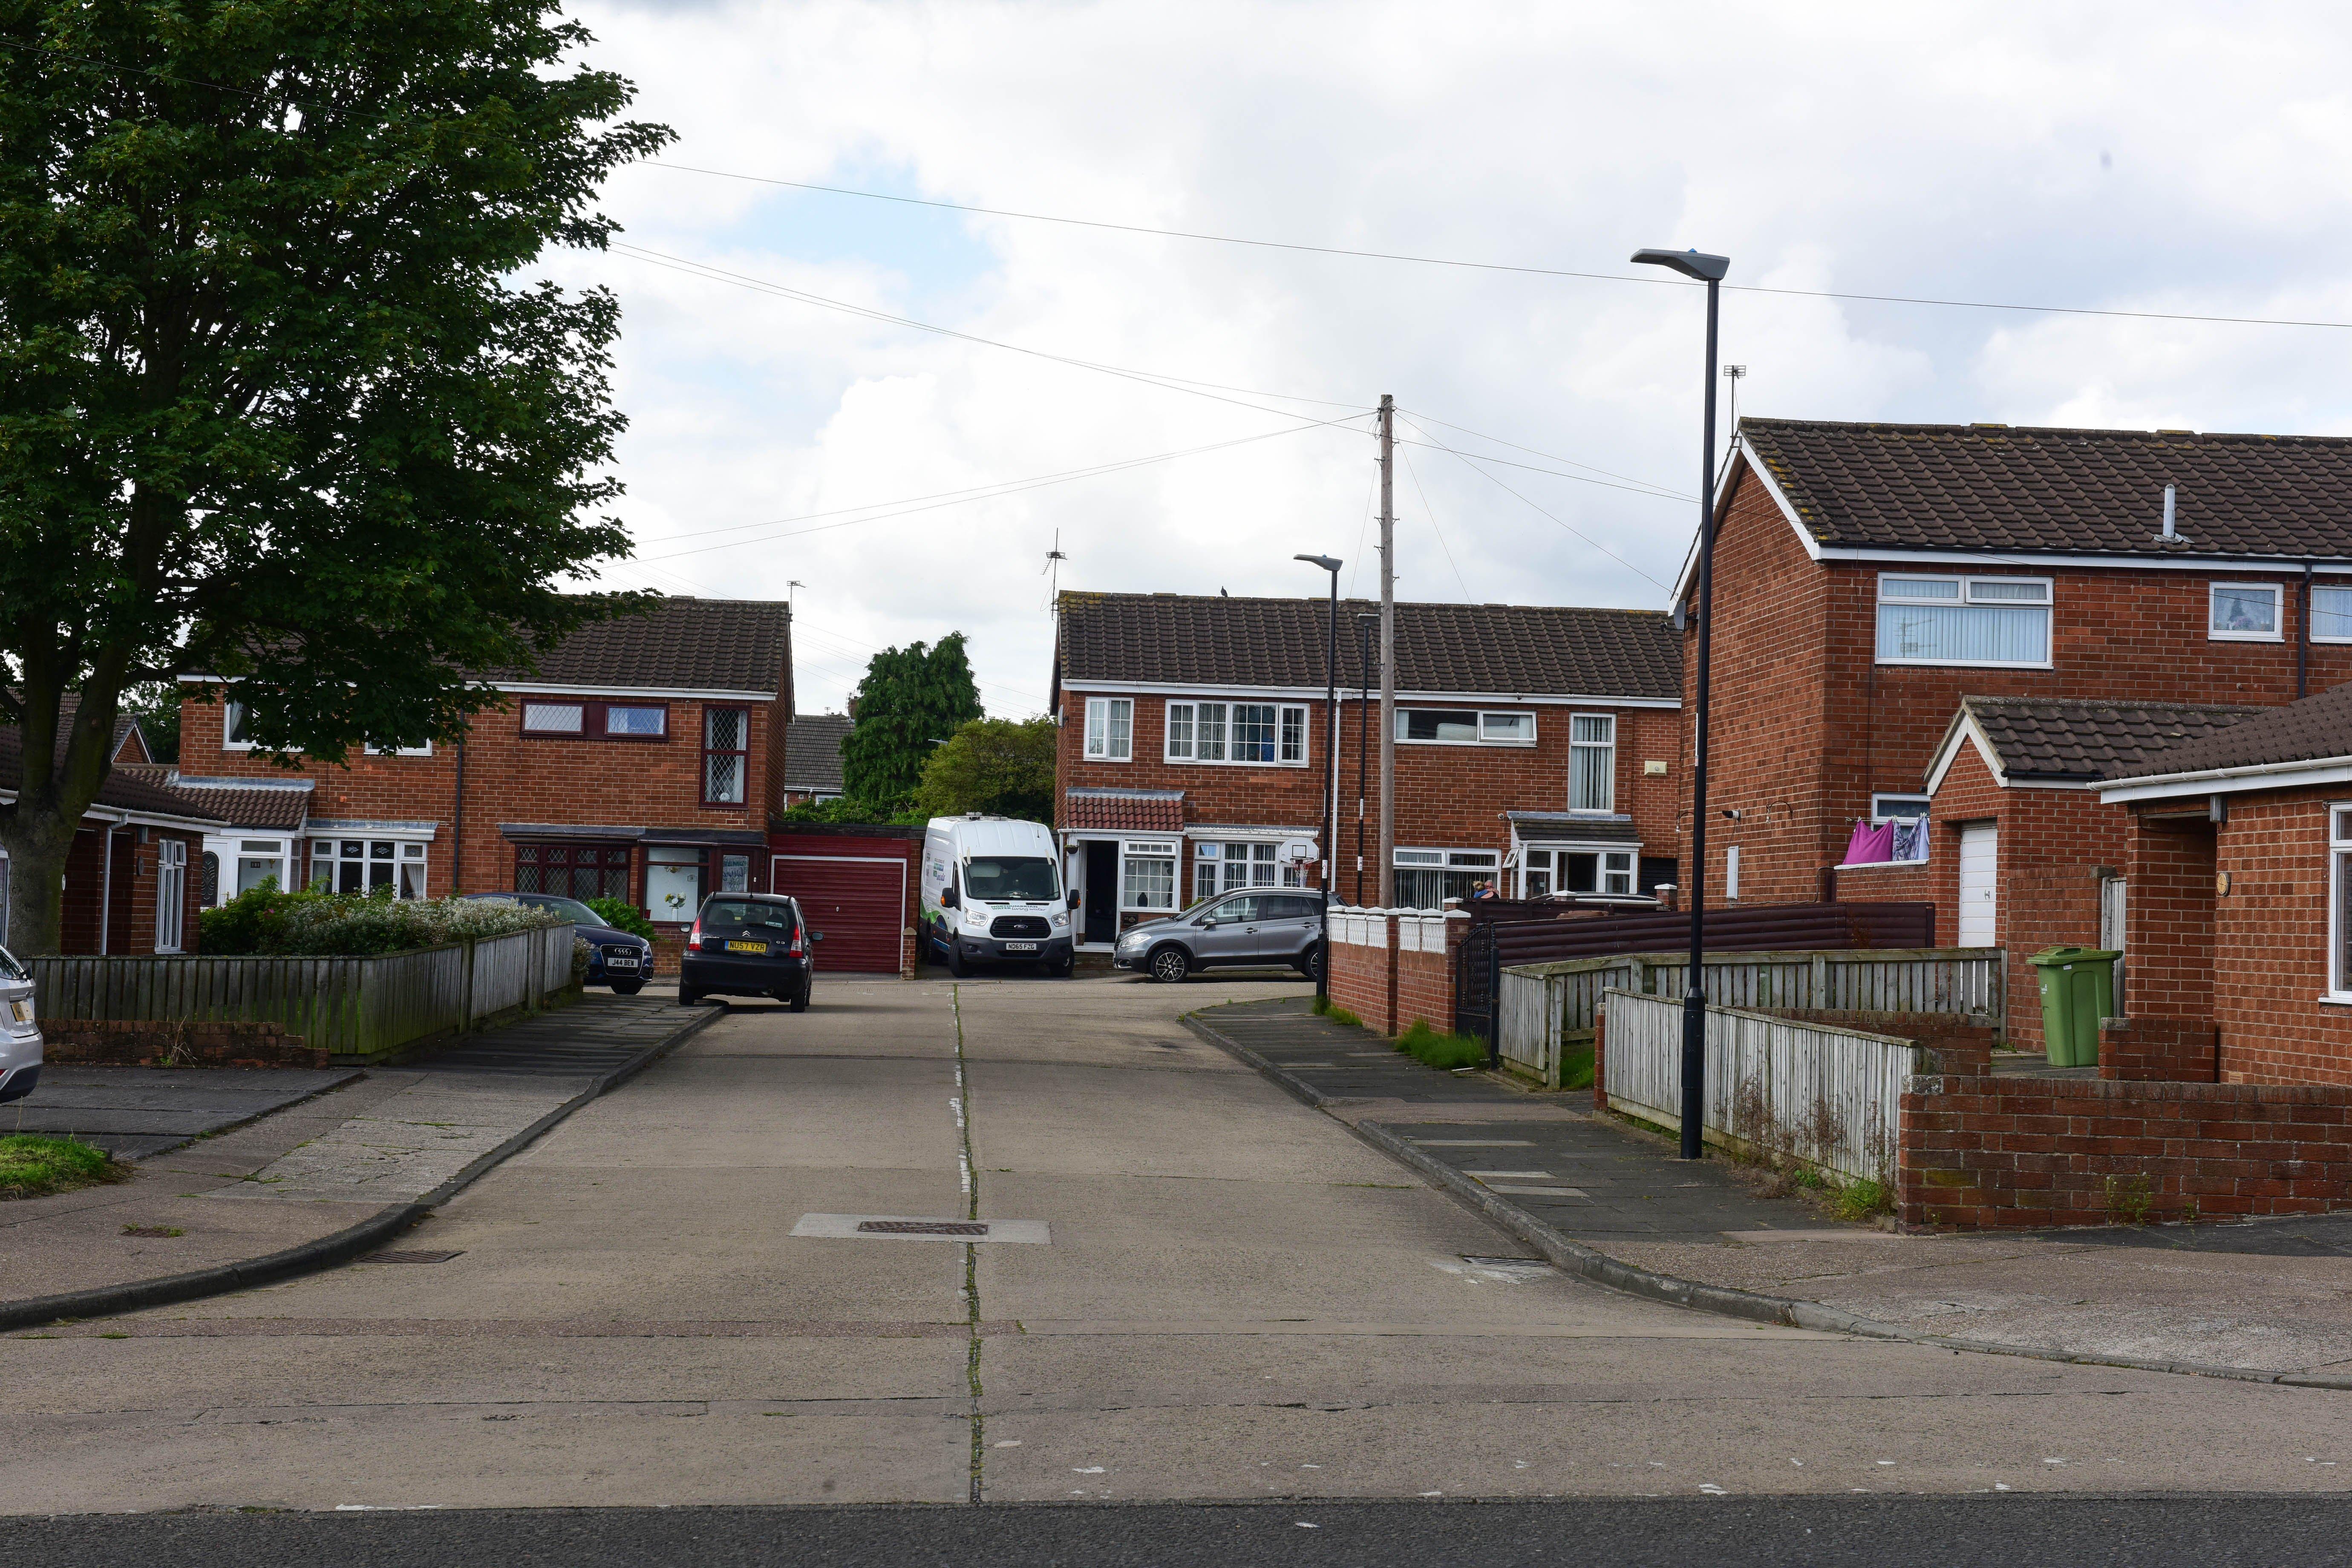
(410, 1257)
(922, 1228)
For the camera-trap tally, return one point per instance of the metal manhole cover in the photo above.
(922, 1228)
(410, 1257)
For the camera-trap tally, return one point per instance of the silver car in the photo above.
(1263, 926)
(20, 1031)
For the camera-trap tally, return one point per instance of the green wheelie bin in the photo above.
(2078, 989)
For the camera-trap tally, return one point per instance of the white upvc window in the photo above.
(1148, 875)
(1222, 867)
(1546, 871)
(2243, 612)
(1592, 762)
(368, 866)
(1465, 727)
(1990, 621)
(1425, 879)
(1254, 734)
(2331, 615)
(1887, 807)
(237, 737)
(1110, 729)
(170, 894)
(2339, 903)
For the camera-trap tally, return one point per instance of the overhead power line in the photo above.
(1505, 266)
(1479, 467)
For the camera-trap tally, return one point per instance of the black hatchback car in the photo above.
(749, 944)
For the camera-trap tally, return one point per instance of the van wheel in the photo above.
(956, 965)
(1170, 964)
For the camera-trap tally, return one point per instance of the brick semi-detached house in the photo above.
(1999, 615)
(640, 760)
(1537, 747)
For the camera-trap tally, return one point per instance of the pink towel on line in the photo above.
(1869, 845)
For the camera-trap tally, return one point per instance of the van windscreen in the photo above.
(1010, 879)
(743, 914)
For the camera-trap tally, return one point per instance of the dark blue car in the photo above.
(615, 958)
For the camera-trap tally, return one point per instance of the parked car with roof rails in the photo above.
(1257, 928)
(615, 958)
(20, 1031)
(750, 944)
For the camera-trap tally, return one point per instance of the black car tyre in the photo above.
(687, 996)
(1310, 963)
(1062, 970)
(1170, 964)
(627, 988)
(800, 999)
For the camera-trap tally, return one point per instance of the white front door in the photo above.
(1980, 879)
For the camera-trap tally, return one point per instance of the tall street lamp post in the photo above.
(1330, 765)
(1709, 270)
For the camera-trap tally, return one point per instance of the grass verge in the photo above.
(1325, 1007)
(34, 1167)
(1436, 1048)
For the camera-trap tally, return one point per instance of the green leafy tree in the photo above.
(911, 699)
(273, 405)
(992, 765)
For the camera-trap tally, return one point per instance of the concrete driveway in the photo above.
(1238, 1299)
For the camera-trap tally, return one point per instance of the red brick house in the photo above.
(128, 886)
(2240, 927)
(640, 761)
(1537, 747)
(1873, 581)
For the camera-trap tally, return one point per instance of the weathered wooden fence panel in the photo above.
(1830, 1097)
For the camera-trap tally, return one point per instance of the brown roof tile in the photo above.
(680, 644)
(2084, 740)
(813, 750)
(125, 789)
(260, 805)
(2315, 729)
(1124, 810)
(1487, 649)
(1992, 488)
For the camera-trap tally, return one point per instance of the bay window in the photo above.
(1258, 733)
(368, 866)
(1546, 871)
(1963, 620)
(1110, 729)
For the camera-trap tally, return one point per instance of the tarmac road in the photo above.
(1239, 1300)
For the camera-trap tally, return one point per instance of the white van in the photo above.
(992, 893)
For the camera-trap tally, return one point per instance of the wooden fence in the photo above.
(1548, 1010)
(1828, 1096)
(353, 1007)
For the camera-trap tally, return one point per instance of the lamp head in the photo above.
(1325, 562)
(1689, 263)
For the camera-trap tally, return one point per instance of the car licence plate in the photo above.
(620, 963)
(1020, 947)
(22, 1009)
(747, 947)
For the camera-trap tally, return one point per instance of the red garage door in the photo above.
(859, 904)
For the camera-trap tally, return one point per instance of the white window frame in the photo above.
(1099, 731)
(1485, 865)
(1967, 599)
(1575, 745)
(1731, 873)
(2277, 591)
(1878, 812)
(170, 894)
(2319, 588)
(406, 851)
(2339, 867)
(1168, 849)
(1478, 723)
(1287, 717)
(231, 710)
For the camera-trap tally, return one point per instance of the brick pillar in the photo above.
(2168, 928)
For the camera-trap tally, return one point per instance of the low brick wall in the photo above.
(2159, 1050)
(1993, 1152)
(1962, 1048)
(1425, 990)
(1411, 977)
(1363, 981)
(135, 1042)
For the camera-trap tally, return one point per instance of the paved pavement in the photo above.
(2270, 1298)
(1239, 1299)
(136, 1113)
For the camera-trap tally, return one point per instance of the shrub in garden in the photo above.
(264, 920)
(623, 915)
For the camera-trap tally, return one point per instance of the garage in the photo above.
(853, 891)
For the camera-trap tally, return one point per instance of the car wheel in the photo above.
(1310, 963)
(627, 988)
(1170, 964)
(800, 999)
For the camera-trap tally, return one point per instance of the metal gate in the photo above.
(859, 902)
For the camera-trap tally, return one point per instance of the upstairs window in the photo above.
(2331, 615)
(553, 718)
(2243, 612)
(1992, 621)
(1592, 762)
(637, 723)
(1258, 733)
(726, 756)
(237, 736)
(593, 721)
(1110, 729)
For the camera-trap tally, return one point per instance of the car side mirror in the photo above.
(1072, 900)
(816, 936)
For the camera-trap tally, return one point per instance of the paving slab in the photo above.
(136, 1113)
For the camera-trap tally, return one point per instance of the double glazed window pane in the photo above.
(2331, 613)
(1592, 763)
(620, 720)
(1151, 883)
(2247, 612)
(1110, 724)
(1964, 620)
(1437, 725)
(552, 718)
(1253, 732)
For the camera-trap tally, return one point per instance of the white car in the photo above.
(20, 1031)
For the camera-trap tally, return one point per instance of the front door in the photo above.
(1100, 905)
(1980, 879)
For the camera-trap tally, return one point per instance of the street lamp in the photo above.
(1330, 764)
(1709, 270)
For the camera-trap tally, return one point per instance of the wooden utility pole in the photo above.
(1388, 651)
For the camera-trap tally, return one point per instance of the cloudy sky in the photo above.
(2146, 158)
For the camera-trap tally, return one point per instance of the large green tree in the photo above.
(993, 765)
(911, 698)
(274, 404)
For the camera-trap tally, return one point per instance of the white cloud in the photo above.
(2165, 157)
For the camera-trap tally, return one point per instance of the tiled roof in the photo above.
(2315, 729)
(1992, 488)
(1566, 827)
(262, 804)
(2085, 738)
(1485, 649)
(1124, 810)
(681, 644)
(813, 750)
(124, 788)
